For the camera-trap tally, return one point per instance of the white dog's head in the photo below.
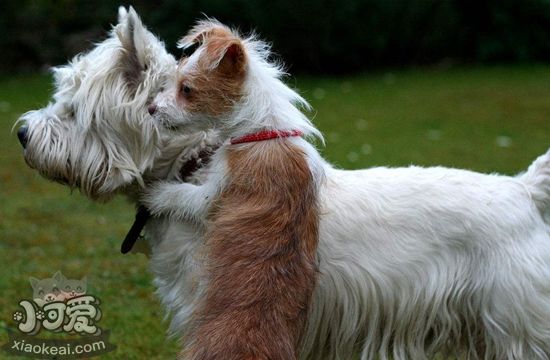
(96, 134)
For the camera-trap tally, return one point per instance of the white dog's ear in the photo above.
(122, 14)
(134, 38)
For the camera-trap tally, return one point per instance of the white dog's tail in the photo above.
(537, 179)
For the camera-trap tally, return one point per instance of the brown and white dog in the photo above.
(412, 261)
(258, 206)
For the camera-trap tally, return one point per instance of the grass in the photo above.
(485, 119)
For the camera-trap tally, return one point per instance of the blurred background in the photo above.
(458, 83)
(313, 36)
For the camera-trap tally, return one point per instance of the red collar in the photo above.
(265, 135)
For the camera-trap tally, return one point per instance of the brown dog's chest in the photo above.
(261, 246)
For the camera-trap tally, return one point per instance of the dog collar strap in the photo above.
(142, 216)
(265, 135)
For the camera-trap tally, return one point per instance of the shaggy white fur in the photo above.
(412, 261)
(95, 134)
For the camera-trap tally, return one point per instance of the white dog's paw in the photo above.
(211, 139)
(180, 201)
(159, 198)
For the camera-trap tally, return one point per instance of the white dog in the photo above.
(412, 261)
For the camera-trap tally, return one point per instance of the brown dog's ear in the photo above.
(232, 60)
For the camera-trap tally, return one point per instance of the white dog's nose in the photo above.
(152, 108)
(22, 134)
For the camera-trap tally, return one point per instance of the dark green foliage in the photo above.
(318, 36)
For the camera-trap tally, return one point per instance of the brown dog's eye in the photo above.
(186, 89)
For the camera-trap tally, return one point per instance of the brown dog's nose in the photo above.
(22, 134)
(152, 108)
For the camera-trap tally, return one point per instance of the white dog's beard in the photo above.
(47, 146)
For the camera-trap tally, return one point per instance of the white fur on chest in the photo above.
(177, 265)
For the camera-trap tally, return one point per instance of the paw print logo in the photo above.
(40, 315)
(18, 316)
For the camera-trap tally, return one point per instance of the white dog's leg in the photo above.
(179, 200)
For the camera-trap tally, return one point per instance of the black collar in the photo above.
(142, 214)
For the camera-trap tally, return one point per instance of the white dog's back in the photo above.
(414, 260)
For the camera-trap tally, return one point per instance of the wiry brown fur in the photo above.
(261, 243)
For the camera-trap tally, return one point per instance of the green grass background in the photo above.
(485, 119)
